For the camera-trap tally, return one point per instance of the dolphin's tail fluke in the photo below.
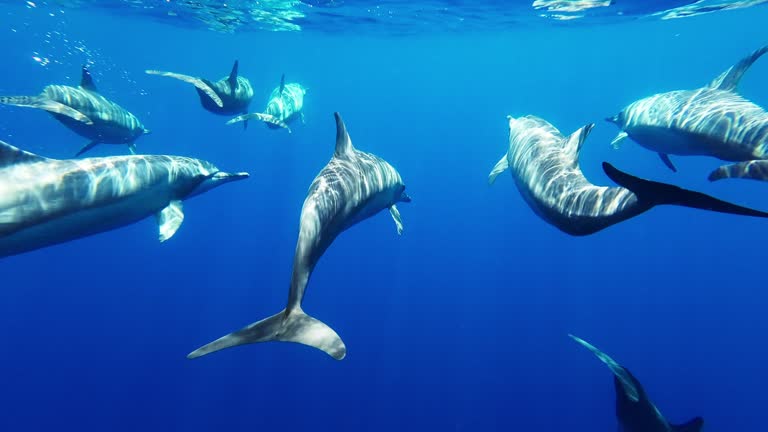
(266, 118)
(46, 104)
(755, 170)
(294, 326)
(651, 193)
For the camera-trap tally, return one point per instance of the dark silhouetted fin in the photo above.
(233, 77)
(282, 84)
(10, 155)
(667, 161)
(199, 83)
(343, 141)
(729, 79)
(653, 193)
(86, 81)
(694, 425)
(294, 326)
(43, 103)
(623, 378)
(266, 118)
(87, 147)
(755, 170)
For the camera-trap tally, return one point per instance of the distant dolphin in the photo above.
(44, 201)
(634, 411)
(545, 166)
(284, 106)
(352, 187)
(228, 96)
(85, 111)
(711, 121)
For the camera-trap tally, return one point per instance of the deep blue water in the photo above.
(460, 324)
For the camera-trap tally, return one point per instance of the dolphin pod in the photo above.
(545, 166)
(711, 121)
(228, 96)
(634, 410)
(45, 201)
(352, 187)
(86, 112)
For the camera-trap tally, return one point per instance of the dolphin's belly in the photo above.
(83, 222)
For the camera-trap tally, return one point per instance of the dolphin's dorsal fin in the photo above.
(10, 155)
(576, 140)
(233, 76)
(343, 141)
(693, 425)
(282, 84)
(729, 79)
(86, 81)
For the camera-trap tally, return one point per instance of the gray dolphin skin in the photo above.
(44, 201)
(352, 187)
(710, 121)
(86, 112)
(545, 166)
(230, 95)
(634, 410)
(285, 105)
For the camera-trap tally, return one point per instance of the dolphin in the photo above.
(545, 166)
(352, 187)
(228, 96)
(634, 411)
(285, 105)
(709, 121)
(86, 112)
(45, 201)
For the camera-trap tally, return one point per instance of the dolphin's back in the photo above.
(239, 96)
(545, 168)
(287, 104)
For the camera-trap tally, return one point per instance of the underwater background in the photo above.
(461, 324)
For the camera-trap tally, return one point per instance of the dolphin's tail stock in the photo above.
(266, 118)
(651, 193)
(46, 104)
(286, 326)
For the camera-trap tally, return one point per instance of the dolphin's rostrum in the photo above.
(44, 201)
(545, 167)
(86, 112)
(352, 187)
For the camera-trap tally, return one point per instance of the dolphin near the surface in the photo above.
(285, 105)
(710, 121)
(545, 166)
(230, 95)
(44, 201)
(634, 410)
(86, 112)
(352, 187)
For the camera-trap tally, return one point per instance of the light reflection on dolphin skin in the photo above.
(86, 112)
(709, 121)
(285, 105)
(545, 166)
(352, 187)
(48, 201)
(228, 96)
(634, 410)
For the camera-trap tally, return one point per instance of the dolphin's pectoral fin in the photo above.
(729, 79)
(616, 142)
(199, 83)
(618, 370)
(46, 104)
(169, 219)
(667, 161)
(266, 118)
(132, 148)
(398, 219)
(693, 425)
(501, 166)
(87, 147)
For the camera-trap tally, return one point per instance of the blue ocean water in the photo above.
(461, 323)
